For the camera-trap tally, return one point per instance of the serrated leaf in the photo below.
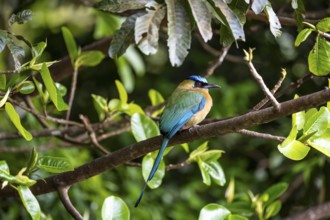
(114, 208)
(70, 44)
(30, 202)
(302, 36)
(54, 93)
(147, 28)
(89, 58)
(17, 53)
(274, 22)
(54, 164)
(213, 212)
(123, 37)
(14, 117)
(179, 31)
(118, 6)
(293, 149)
(321, 143)
(21, 17)
(202, 17)
(147, 163)
(122, 92)
(258, 5)
(319, 56)
(230, 20)
(143, 127)
(323, 25)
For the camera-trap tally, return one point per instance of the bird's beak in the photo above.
(211, 86)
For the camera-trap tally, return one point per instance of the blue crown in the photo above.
(197, 78)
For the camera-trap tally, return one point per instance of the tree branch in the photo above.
(64, 196)
(136, 150)
(321, 211)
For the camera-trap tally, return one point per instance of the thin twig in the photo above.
(176, 166)
(273, 91)
(72, 92)
(113, 133)
(29, 104)
(64, 196)
(261, 135)
(8, 71)
(259, 79)
(92, 134)
(16, 149)
(216, 63)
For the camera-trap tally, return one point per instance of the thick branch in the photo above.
(321, 211)
(136, 150)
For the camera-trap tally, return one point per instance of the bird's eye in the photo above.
(198, 84)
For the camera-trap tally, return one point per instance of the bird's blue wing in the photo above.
(179, 110)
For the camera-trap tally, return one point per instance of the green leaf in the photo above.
(273, 209)
(4, 167)
(114, 104)
(3, 40)
(155, 97)
(179, 31)
(122, 92)
(27, 87)
(213, 212)
(125, 73)
(118, 6)
(133, 57)
(293, 149)
(230, 191)
(32, 161)
(37, 51)
(200, 150)
(114, 208)
(298, 118)
(4, 98)
(133, 109)
(211, 155)
(39, 88)
(236, 217)
(318, 122)
(54, 164)
(185, 147)
(147, 163)
(30, 202)
(21, 179)
(229, 19)
(205, 175)
(226, 37)
(123, 37)
(17, 53)
(100, 105)
(214, 169)
(302, 36)
(143, 127)
(14, 117)
(258, 6)
(319, 56)
(21, 17)
(3, 81)
(321, 143)
(70, 44)
(147, 28)
(54, 93)
(202, 17)
(275, 192)
(323, 25)
(89, 58)
(275, 25)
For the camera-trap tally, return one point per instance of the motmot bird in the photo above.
(187, 106)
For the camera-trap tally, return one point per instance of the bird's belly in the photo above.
(197, 118)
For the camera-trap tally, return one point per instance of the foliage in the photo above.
(111, 109)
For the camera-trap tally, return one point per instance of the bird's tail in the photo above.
(154, 167)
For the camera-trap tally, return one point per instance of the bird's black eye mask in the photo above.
(199, 84)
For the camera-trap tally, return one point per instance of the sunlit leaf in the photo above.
(4, 166)
(100, 105)
(27, 87)
(274, 22)
(143, 127)
(30, 202)
(302, 36)
(230, 191)
(14, 117)
(147, 163)
(321, 143)
(298, 118)
(89, 58)
(323, 25)
(236, 217)
(147, 28)
(21, 17)
(122, 91)
(319, 56)
(114, 208)
(213, 212)
(179, 31)
(70, 44)
(155, 97)
(318, 122)
(54, 93)
(4, 98)
(258, 5)
(118, 6)
(202, 18)
(214, 169)
(54, 164)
